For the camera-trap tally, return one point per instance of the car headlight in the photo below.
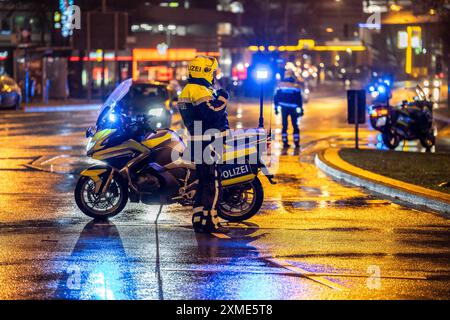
(155, 112)
(90, 144)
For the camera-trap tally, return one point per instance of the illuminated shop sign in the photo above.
(67, 18)
(3, 55)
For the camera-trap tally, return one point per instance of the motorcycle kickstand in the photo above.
(159, 212)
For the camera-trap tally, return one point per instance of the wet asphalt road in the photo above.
(314, 238)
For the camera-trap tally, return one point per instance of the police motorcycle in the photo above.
(145, 165)
(407, 121)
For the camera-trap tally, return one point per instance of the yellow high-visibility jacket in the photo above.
(199, 102)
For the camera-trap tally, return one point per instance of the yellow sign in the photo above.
(310, 44)
(414, 41)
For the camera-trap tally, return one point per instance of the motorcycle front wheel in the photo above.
(97, 206)
(390, 138)
(241, 202)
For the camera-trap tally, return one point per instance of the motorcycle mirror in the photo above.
(89, 132)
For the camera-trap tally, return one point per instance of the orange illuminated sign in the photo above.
(170, 55)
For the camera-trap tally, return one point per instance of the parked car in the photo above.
(155, 99)
(10, 93)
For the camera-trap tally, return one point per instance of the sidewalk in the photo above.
(62, 105)
(331, 162)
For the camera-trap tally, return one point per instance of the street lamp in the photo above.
(262, 74)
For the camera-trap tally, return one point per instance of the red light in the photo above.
(118, 58)
(124, 58)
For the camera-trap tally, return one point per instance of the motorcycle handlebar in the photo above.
(142, 122)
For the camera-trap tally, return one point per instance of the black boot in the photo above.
(207, 225)
(285, 149)
(209, 230)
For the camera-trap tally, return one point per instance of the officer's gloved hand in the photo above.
(277, 111)
(222, 93)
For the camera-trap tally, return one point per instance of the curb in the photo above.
(388, 187)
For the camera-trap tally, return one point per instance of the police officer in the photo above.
(203, 107)
(288, 100)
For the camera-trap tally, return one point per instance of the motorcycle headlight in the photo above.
(90, 144)
(112, 117)
(155, 112)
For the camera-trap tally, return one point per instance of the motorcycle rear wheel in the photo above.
(100, 207)
(428, 141)
(239, 203)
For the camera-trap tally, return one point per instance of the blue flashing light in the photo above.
(262, 74)
(381, 89)
(387, 81)
(112, 117)
(371, 88)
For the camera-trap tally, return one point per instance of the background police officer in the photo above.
(203, 107)
(288, 100)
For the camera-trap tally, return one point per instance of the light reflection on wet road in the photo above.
(313, 239)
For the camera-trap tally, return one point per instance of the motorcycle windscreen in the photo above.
(421, 93)
(119, 92)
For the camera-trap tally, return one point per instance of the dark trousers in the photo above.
(207, 195)
(285, 113)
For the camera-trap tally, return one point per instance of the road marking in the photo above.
(293, 273)
(220, 235)
(307, 274)
(237, 270)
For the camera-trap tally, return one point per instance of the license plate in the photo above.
(381, 121)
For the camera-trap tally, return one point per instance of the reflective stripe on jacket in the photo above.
(288, 94)
(199, 102)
